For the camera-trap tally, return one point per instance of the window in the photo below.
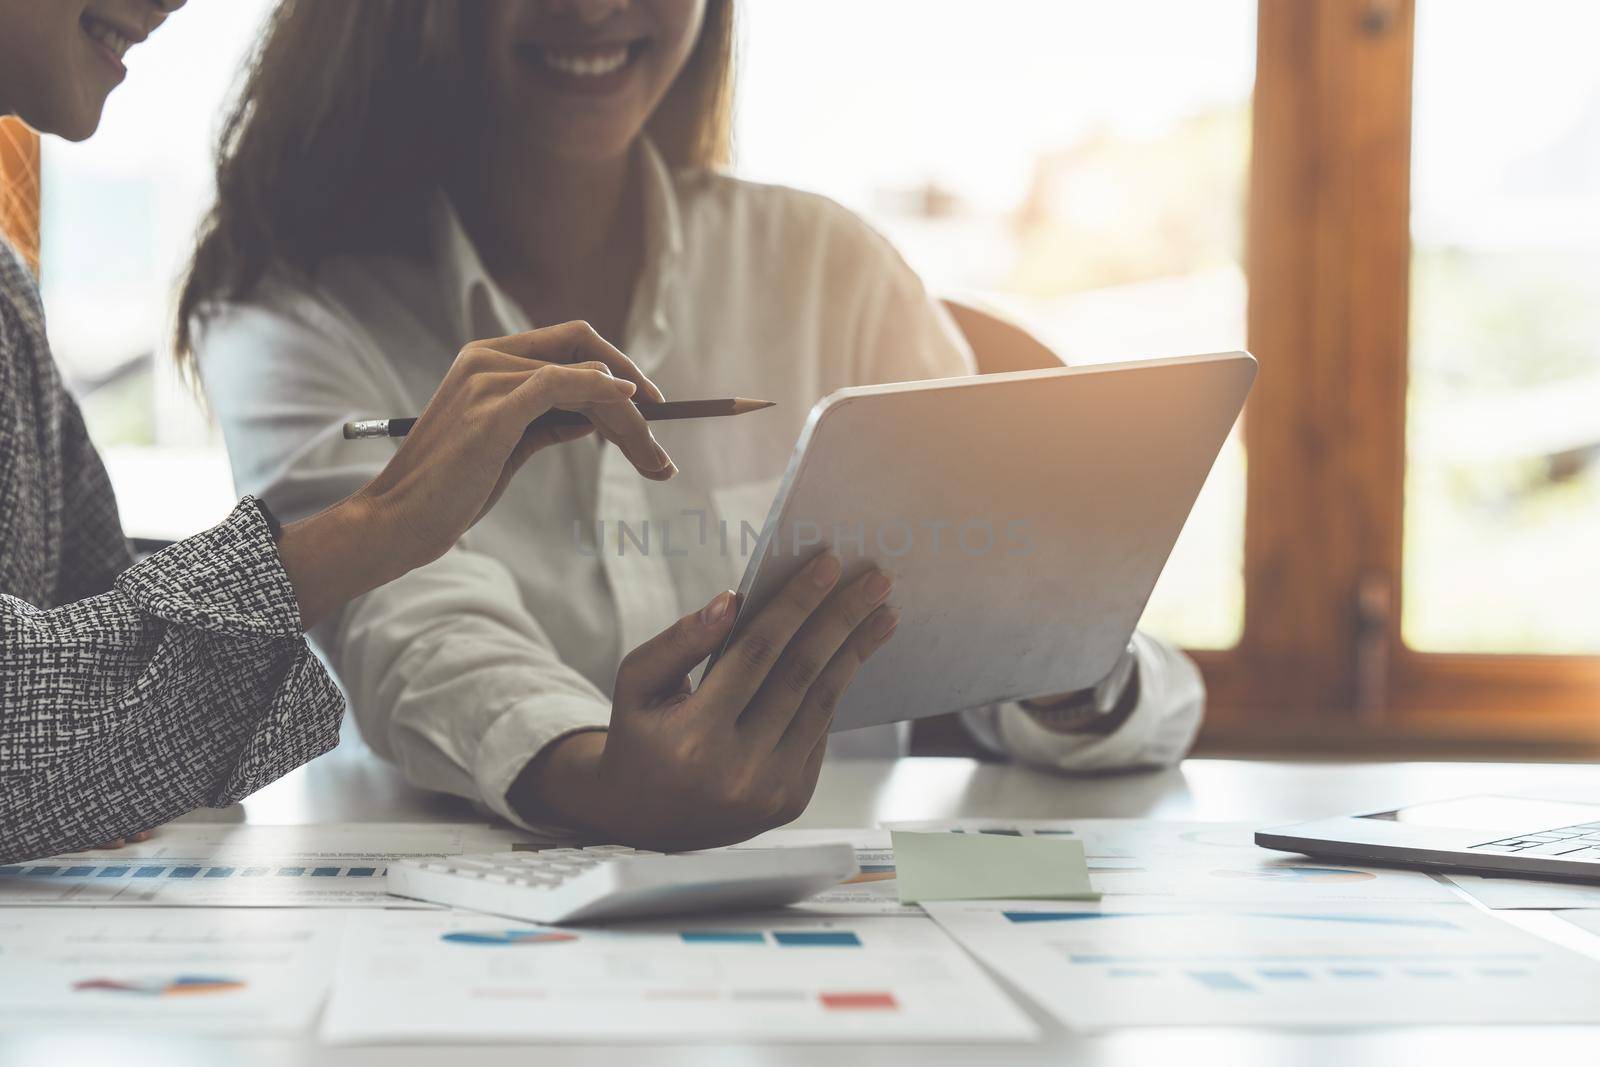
(119, 215)
(1081, 166)
(1503, 479)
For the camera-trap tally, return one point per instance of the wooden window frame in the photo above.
(1321, 663)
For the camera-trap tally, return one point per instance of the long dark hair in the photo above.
(341, 129)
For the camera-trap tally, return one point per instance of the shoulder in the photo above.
(342, 312)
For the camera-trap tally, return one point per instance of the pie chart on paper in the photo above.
(182, 985)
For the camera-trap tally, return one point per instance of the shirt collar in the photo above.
(470, 287)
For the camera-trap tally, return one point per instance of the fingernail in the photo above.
(825, 571)
(625, 387)
(885, 623)
(878, 586)
(717, 609)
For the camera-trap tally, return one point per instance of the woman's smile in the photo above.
(594, 68)
(110, 41)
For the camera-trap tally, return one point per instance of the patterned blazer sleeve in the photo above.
(187, 684)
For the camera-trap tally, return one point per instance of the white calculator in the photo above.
(568, 885)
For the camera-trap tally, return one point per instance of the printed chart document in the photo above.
(455, 976)
(1136, 963)
(874, 891)
(1207, 861)
(245, 865)
(188, 970)
(1495, 891)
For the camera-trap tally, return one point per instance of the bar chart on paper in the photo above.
(205, 865)
(1122, 964)
(438, 976)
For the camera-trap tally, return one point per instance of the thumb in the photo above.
(661, 665)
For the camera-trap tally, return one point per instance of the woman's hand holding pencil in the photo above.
(485, 421)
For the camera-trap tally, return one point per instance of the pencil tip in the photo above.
(755, 405)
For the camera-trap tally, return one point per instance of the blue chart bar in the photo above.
(362, 872)
(832, 938)
(149, 872)
(1222, 981)
(185, 872)
(325, 872)
(42, 872)
(218, 872)
(113, 872)
(723, 937)
(291, 872)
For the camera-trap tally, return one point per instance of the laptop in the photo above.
(1490, 834)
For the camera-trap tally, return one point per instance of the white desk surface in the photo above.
(350, 785)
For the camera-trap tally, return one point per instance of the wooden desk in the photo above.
(351, 785)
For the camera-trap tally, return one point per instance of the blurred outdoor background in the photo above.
(1085, 167)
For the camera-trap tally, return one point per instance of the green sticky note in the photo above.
(989, 867)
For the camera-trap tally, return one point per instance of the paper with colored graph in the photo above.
(1139, 963)
(174, 970)
(246, 865)
(1218, 861)
(455, 976)
(948, 866)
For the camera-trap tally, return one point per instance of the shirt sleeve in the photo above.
(187, 684)
(449, 674)
(1157, 733)
(907, 335)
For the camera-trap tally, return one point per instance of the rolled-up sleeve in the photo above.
(1157, 733)
(189, 684)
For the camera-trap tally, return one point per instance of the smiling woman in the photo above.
(135, 692)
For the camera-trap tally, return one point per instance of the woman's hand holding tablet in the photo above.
(684, 768)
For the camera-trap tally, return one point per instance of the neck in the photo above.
(533, 216)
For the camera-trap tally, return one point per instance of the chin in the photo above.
(74, 120)
(80, 128)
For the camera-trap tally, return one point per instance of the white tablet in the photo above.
(1025, 518)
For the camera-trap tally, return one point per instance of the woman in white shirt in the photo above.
(395, 179)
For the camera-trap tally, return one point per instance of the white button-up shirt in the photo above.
(464, 669)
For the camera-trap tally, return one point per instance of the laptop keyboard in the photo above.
(1580, 842)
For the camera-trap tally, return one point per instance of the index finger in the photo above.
(739, 674)
(576, 342)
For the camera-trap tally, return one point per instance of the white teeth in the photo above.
(108, 36)
(587, 65)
